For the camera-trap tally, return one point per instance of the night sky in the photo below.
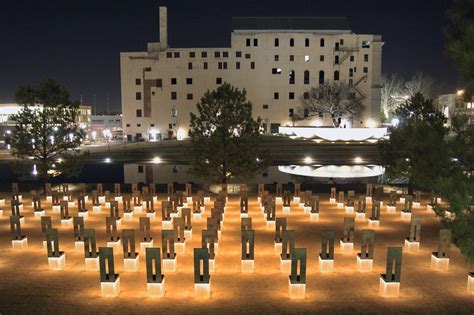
(78, 42)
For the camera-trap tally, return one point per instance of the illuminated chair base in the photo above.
(66, 222)
(97, 209)
(326, 265)
(332, 200)
(189, 200)
(202, 208)
(368, 199)
(429, 209)
(20, 244)
(212, 265)
(470, 283)
(83, 214)
(412, 247)
(406, 216)
(197, 216)
(286, 210)
(155, 289)
(92, 263)
(313, 216)
(107, 204)
(71, 203)
(346, 247)
(416, 204)
(174, 214)
(307, 209)
(167, 224)
(202, 290)
(244, 215)
(39, 214)
(296, 290)
(119, 199)
(389, 289)
(56, 209)
(131, 264)
(57, 263)
(180, 247)
(1, 212)
(137, 209)
(128, 216)
(349, 210)
(271, 225)
(360, 216)
(374, 223)
(144, 245)
(285, 265)
(364, 264)
(155, 199)
(79, 245)
(170, 265)
(151, 215)
(110, 289)
(248, 265)
(86, 198)
(48, 199)
(101, 199)
(390, 209)
(340, 205)
(439, 264)
(296, 199)
(188, 234)
(278, 199)
(301, 205)
(116, 245)
(402, 200)
(207, 199)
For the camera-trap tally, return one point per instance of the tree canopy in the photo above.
(224, 136)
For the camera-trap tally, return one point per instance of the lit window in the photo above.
(306, 58)
(365, 44)
(174, 112)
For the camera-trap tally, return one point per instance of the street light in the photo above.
(157, 160)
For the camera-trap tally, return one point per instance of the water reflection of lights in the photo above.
(333, 171)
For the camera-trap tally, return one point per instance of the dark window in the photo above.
(138, 81)
(276, 71)
(152, 125)
(225, 54)
(219, 65)
(306, 77)
(174, 95)
(277, 42)
(341, 41)
(217, 54)
(305, 113)
(128, 125)
(140, 168)
(321, 57)
(139, 113)
(218, 80)
(255, 41)
(321, 77)
(176, 54)
(169, 54)
(352, 58)
(291, 112)
(159, 83)
(366, 70)
(138, 96)
(192, 54)
(147, 69)
(139, 125)
(170, 126)
(321, 42)
(276, 58)
(336, 60)
(252, 65)
(306, 95)
(291, 95)
(204, 54)
(265, 106)
(336, 75)
(189, 81)
(276, 95)
(190, 65)
(237, 65)
(247, 56)
(336, 46)
(173, 81)
(292, 57)
(366, 57)
(351, 73)
(238, 54)
(306, 42)
(292, 42)
(247, 41)
(365, 44)
(291, 78)
(225, 65)
(205, 66)
(189, 96)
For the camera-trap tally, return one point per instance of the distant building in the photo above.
(276, 60)
(106, 126)
(455, 104)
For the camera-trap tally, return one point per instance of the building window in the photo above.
(174, 95)
(205, 66)
(265, 106)
(336, 75)
(321, 42)
(276, 95)
(152, 125)
(306, 42)
(291, 112)
(238, 54)
(169, 54)
(139, 125)
(147, 69)
(306, 77)
(277, 42)
(247, 41)
(140, 169)
(321, 77)
(128, 125)
(219, 65)
(321, 57)
(292, 57)
(159, 83)
(252, 65)
(291, 95)
(366, 70)
(247, 56)
(365, 44)
(173, 81)
(217, 54)
(218, 80)
(237, 65)
(255, 42)
(138, 96)
(336, 46)
(276, 58)
(138, 81)
(336, 60)
(225, 65)
(176, 54)
(366, 57)
(351, 73)
(190, 65)
(352, 58)
(174, 112)
(291, 78)
(139, 113)
(203, 54)
(192, 54)
(306, 95)
(306, 58)
(292, 42)
(341, 41)
(189, 96)
(225, 54)
(189, 81)
(170, 126)
(276, 70)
